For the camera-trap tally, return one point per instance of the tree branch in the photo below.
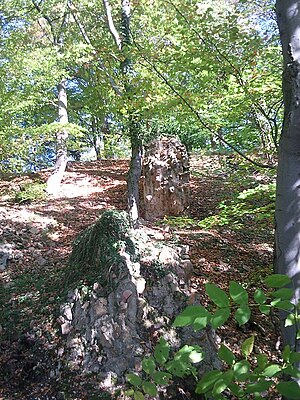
(236, 72)
(111, 25)
(197, 114)
(48, 19)
(87, 40)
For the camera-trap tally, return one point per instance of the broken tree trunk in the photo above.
(165, 178)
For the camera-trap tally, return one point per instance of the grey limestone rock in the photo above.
(5, 253)
(110, 329)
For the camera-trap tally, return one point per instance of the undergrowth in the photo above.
(31, 191)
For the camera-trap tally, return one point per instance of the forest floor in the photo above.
(237, 245)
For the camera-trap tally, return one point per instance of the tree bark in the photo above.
(123, 42)
(55, 179)
(133, 178)
(288, 177)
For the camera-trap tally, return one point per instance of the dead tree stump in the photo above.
(166, 178)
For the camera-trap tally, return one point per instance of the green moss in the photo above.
(96, 251)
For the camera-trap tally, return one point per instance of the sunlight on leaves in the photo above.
(242, 315)
(238, 294)
(217, 295)
(247, 346)
(277, 280)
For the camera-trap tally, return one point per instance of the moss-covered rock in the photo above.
(141, 284)
(99, 248)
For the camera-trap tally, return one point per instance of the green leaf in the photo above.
(289, 389)
(271, 370)
(282, 304)
(220, 317)
(236, 390)
(196, 356)
(149, 388)
(290, 320)
(277, 281)
(208, 381)
(247, 346)
(192, 315)
(286, 353)
(238, 294)
(129, 392)
(292, 371)
(179, 367)
(148, 365)
(161, 351)
(134, 379)
(219, 387)
(161, 378)
(283, 294)
(138, 395)
(222, 383)
(262, 361)
(242, 315)
(295, 357)
(259, 296)
(265, 309)
(241, 370)
(226, 354)
(259, 386)
(217, 295)
(201, 322)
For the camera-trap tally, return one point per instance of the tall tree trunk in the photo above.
(123, 42)
(134, 174)
(288, 176)
(135, 168)
(55, 179)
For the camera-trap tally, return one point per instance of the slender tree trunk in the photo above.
(288, 176)
(55, 179)
(123, 42)
(135, 168)
(134, 174)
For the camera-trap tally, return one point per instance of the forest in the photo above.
(149, 206)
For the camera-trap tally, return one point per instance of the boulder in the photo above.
(111, 324)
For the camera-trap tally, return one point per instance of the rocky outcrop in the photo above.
(165, 178)
(5, 253)
(110, 325)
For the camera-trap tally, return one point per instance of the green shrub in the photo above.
(245, 375)
(31, 191)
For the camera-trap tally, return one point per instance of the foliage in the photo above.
(243, 375)
(215, 56)
(257, 203)
(31, 191)
(162, 367)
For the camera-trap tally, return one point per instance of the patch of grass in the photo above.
(31, 191)
(255, 204)
(181, 222)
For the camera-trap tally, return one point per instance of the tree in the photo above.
(123, 42)
(53, 26)
(216, 57)
(288, 176)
